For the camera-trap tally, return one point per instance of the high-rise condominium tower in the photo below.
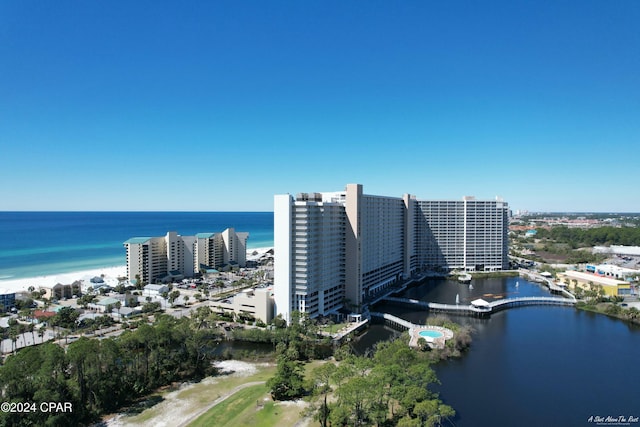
(337, 249)
(155, 259)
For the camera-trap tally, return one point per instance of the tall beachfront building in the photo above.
(212, 250)
(155, 259)
(336, 250)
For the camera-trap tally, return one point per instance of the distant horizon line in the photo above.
(124, 211)
(529, 212)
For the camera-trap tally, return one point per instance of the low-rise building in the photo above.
(93, 285)
(618, 250)
(43, 315)
(588, 281)
(7, 300)
(66, 290)
(102, 305)
(154, 290)
(613, 271)
(255, 302)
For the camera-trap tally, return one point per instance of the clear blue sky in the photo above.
(219, 105)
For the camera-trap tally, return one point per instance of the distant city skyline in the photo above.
(217, 106)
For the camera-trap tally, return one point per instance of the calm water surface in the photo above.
(39, 243)
(530, 366)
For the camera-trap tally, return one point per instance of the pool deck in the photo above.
(439, 342)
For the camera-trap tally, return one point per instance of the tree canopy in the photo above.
(390, 388)
(587, 237)
(100, 376)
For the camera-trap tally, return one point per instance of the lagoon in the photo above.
(529, 366)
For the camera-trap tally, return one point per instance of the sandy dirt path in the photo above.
(219, 400)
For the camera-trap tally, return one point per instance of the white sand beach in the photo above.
(109, 274)
(257, 253)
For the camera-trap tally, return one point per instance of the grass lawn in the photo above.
(238, 410)
(253, 407)
(192, 397)
(250, 407)
(332, 329)
(224, 384)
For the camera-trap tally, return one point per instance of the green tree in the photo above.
(66, 318)
(288, 381)
(86, 299)
(390, 388)
(322, 379)
(173, 295)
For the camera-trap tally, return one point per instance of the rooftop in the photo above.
(204, 235)
(155, 287)
(137, 240)
(107, 301)
(588, 277)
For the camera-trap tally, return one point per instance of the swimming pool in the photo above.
(430, 334)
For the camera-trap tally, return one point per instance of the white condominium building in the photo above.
(467, 234)
(146, 258)
(154, 259)
(309, 234)
(208, 251)
(335, 250)
(234, 246)
(179, 254)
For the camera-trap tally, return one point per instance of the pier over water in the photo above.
(482, 310)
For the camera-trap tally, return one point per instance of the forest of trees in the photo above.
(101, 376)
(582, 238)
(391, 388)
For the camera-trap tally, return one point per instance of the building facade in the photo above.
(467, 234)
(588, 281)
(310, 274)
(256, 303)
(7, 300)
(336, 250)
(160, 259)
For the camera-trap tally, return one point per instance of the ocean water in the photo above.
(42, 243)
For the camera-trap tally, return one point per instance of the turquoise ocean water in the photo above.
(43, 243)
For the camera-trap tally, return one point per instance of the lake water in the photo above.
(530, 366)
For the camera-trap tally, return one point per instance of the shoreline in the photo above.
(47, 281)
(109, 273)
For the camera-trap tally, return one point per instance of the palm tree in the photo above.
(31, 329)
(13, 334)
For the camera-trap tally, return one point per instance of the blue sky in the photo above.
(119, 105)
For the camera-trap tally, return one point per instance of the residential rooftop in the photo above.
(137, 240)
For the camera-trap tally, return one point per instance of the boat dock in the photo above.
(482, 310)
